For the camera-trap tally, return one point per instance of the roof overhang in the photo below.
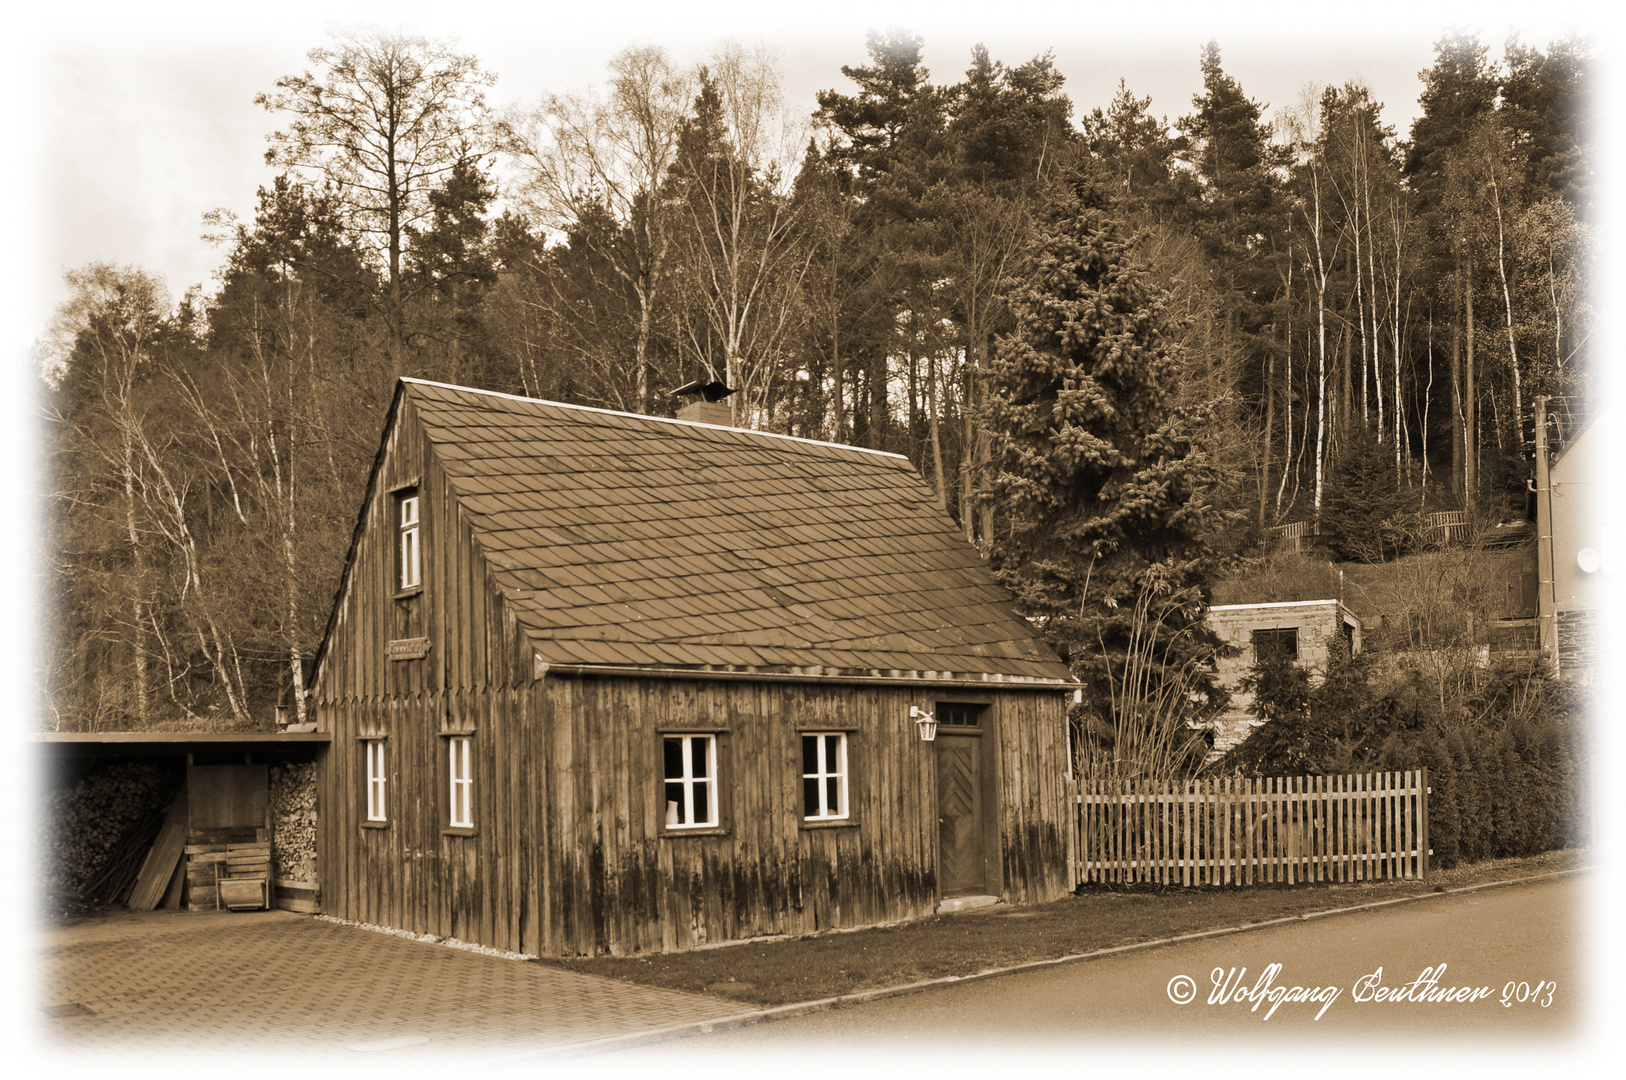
(931, 679)
(110, 743)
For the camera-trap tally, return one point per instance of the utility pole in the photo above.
(1546, 596)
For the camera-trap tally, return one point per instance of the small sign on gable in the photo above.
(409, 648)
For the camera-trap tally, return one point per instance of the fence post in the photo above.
(1423, 854)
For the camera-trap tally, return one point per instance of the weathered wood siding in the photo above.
(413, 873)
(620, 884)
(567, 854)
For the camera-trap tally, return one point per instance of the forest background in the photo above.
(1332, 286)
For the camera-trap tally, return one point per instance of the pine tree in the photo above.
(1102, 488)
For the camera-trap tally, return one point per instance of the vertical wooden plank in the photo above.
(1373, 831)
(1424, 858)
(1352, 823)
(1348, 786)
(1383, 832)
(1345, 866)
(1277, 803)
(1397, 841)
(1205, 836)
(1184, 838)
(1408, 824)
(1250, 804)
(1315, 828)
(1306, 835)
(1200, 836)
(1306, 829)
(1335, 836)
(1316, 806)
(1370, 829)
(1165, 803)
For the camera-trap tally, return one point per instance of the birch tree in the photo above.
(742, 255)
(587, 162)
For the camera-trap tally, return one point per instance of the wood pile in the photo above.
(99, 831)
(293, 821)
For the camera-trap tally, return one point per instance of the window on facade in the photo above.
(375, 780)
(461, 771)
(409, 556)
(952, 714)
(690, 782)
(1278, 644)
(824, 776)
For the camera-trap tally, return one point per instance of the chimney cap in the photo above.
(708, 391)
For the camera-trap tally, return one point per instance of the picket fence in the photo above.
(1246, 831)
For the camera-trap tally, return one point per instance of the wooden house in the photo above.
(599, 682)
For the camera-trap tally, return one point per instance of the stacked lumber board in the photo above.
(211, 858)
(289, 894)
(159, 867)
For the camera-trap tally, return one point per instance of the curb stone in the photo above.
(802, 1008)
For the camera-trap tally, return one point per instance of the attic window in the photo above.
(408, 551)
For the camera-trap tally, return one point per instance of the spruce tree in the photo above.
(1101, 486)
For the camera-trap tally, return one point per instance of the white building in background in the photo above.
(1304, 631)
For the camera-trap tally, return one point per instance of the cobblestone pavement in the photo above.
(167, 982)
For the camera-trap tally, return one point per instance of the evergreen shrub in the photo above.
(1505, 759)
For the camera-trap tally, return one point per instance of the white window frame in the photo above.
(460, 790)
(377, 809)
(825, 771)
(687, 783)
(410, 550)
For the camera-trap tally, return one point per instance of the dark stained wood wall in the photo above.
(413, 873)
(621, 886)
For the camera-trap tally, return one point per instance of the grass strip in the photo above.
(784, 971)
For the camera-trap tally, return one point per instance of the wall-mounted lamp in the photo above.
(925, 721)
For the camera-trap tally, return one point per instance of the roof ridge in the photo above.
(657, 419)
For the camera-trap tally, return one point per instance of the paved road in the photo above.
(186, 983)
(1528, 934)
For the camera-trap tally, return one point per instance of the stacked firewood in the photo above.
(293, 822)
(98, 831)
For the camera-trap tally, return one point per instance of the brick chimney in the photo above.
(707, 412)
(705, 404)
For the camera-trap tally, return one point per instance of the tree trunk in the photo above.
(939, 482)
(138, 565)
(1471, 404)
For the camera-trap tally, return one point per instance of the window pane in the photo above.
(674, 758)
(958, 715)
(700, 746)
(810, 754)
(810, 796)
(832, 795)
(702, 802)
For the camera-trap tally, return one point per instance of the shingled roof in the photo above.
(638, 541)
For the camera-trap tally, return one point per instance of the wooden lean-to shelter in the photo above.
(600, 682)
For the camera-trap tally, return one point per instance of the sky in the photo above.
(141, 123)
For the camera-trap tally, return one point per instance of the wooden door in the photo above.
(961, 861)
